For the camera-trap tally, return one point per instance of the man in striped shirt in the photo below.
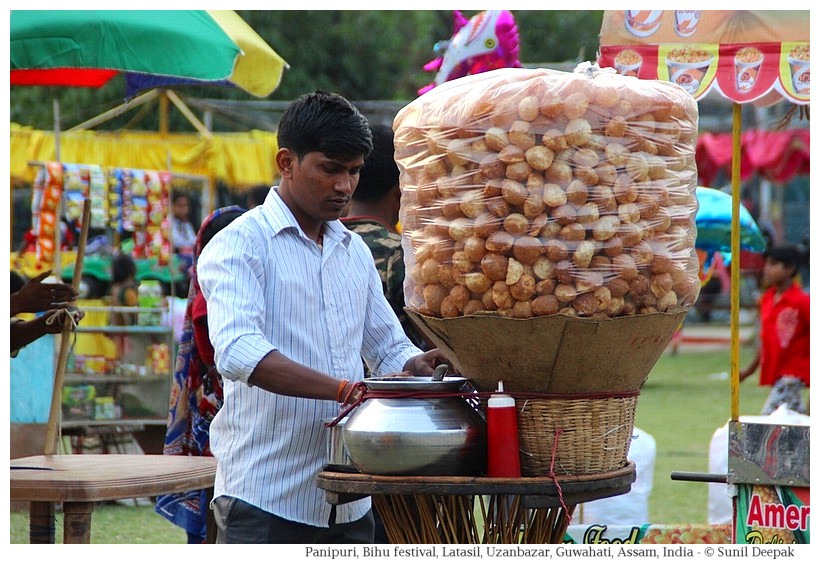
(294, 303)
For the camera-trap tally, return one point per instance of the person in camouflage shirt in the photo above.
(374, 214)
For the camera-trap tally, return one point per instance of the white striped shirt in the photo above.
(270, 287)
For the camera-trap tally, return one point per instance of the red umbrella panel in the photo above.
(741, 53)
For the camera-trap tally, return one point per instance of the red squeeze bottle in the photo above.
(503, 459)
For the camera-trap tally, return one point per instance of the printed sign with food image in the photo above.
(747, 66)
(746, 55)
(628, 62)
(686, 22)
(795, 69)
(643, 23)
(689, 66)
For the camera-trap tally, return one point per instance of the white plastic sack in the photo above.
(720, 503)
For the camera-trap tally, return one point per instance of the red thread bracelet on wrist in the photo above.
(350, 393)
(340, 390)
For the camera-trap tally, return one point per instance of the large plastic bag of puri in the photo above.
(549, 224)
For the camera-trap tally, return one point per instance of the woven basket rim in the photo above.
(575, 436)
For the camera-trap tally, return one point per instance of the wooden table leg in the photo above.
(42, 523)
(77, 522)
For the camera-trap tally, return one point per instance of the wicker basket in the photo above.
(575, 436)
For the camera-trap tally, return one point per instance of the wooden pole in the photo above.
(189, 115)
(52, 430)
(114, 112)
(734, 295)
(57, 126)
(163, 112)
(57, 268)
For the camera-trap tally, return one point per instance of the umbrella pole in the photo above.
(52, 429)
(56, 130)
(58, 232)
(734, 295)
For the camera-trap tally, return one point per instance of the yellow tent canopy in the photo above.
(239, 160)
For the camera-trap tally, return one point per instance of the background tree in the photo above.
(363, 55)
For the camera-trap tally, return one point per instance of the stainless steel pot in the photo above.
(416, 435)
(338, 459)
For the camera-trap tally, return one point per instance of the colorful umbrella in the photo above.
(154, 48)
(714, 224)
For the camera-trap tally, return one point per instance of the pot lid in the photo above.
(417, 383)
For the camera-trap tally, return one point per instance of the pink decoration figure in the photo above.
(488, 41)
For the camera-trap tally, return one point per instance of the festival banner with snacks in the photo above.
(742, 54)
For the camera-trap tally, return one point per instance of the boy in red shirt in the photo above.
(783, 356)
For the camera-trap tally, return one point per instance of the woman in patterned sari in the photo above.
(196, 392)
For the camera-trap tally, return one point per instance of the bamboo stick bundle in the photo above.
(392, 522)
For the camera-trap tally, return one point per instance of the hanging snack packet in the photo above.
(48, 221)
(96, 195)
(75, 186)
(115, 202)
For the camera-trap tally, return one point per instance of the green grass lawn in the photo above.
(120, 523)
(681, 405)
(684, 400)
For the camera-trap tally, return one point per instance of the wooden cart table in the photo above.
(475, 510)
(80, 480)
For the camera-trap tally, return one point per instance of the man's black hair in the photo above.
(380, 173)
(324, 122)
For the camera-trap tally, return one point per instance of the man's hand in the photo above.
(35, 296)
(425, 363)
(53, 321)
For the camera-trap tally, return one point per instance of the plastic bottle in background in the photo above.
(150, 297)
(503, 459)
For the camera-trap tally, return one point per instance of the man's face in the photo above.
(321, 187)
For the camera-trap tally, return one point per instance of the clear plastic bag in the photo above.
(530, 192)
